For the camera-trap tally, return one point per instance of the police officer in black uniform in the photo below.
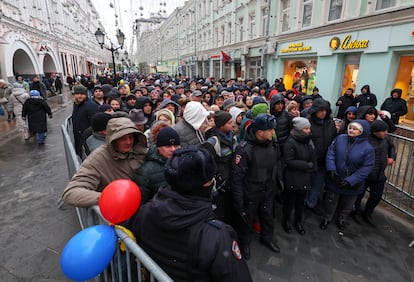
(177, 227)
(221, 144)
(255, 166)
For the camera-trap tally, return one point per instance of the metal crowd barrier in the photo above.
(399, 189)
(130, 265)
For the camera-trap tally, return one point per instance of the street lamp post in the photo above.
(120, 36)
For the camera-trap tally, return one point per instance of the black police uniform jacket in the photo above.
(255, 167)
(180, 234)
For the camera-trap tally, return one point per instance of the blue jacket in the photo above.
(353, 160)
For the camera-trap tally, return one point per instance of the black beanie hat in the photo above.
(221, 118)
(379, 125)
(99, 121)
(188, 169)
(167, 137)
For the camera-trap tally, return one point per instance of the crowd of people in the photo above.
(214, 159)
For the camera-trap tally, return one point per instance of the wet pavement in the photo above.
(33, 231)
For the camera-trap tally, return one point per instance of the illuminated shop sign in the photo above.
(347, 43)
(296, 47)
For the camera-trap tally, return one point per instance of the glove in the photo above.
(333, 175)
(50, 116)
(345, 185)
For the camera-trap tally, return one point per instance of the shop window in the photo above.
(351, 71)
(384, 4)
(405, 81)
(335, 10)
(301, 71)
(216, 68)
(307, 13)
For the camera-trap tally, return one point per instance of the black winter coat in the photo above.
(384, 148)
(299, 157)
(396, 107)
(81, 120)
(180, 234)
(346, 102)
(323, 131)
(36, 109)
(150, 176)
(283, 119)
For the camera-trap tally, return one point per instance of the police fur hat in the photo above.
(189, 169)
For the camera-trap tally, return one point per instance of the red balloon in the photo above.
(119, 200)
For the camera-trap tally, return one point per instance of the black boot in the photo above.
(299, 228)
(286, 226)
(324, 224)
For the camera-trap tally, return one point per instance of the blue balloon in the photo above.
(88, 253)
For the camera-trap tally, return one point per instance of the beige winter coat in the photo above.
(105, 165)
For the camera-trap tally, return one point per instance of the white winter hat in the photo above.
(195, 114)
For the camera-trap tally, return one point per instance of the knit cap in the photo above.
(300, 123)
(99, 121)
(34, 93)
(228, 103)
(379, 125)
(167, 137)
(260, 108)
(80, 89)
(357, 125)
(221, 118)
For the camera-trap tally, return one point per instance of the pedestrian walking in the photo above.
(17, 99)
(35, 110)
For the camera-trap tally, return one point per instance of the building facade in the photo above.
(49, 37)
(331, 44)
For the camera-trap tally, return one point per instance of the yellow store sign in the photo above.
(347, 43)
(296, 47)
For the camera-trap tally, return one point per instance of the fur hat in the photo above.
(221, 118)
(264, 122)
(300, 123)
(167, 137)
(188, 169)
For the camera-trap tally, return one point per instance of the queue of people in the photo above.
(215, 158)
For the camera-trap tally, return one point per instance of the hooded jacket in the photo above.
(283, 118)
(323, 131)
(106, 164)
(366, 99)
(396, 106)
(179, 232)
(353, 159)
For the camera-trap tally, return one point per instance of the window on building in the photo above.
(222, 35)
(229, 33)
(307, 13)
(254, 68)
(241, 29)
(252, 25)
(216, 37)
(264, 21)
(335, 10)
(285, 4)
(384, 4)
